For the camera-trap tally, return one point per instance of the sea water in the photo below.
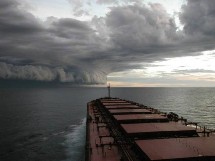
(48, 124)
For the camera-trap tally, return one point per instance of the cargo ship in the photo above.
(122, 130)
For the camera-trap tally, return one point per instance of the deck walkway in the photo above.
(101, 146)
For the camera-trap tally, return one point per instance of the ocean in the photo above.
(48, 123)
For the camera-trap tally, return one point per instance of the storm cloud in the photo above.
(70, 50)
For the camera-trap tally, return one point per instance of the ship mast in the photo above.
(108, 90)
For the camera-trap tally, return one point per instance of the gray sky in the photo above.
(124, 42)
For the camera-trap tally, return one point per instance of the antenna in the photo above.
(108, 90)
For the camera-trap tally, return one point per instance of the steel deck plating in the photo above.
(121, 130)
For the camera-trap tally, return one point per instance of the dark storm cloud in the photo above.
(45, 51)
(140, 28)
(198, 18)
(147, 33)
(15, 21)
(69, 50)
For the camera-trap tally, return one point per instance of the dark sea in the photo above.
(48, 123)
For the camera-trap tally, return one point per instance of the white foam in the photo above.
(75, 142)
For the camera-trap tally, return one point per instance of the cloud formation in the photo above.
(45, 51)
(69, 50)
(139, 27)
(198, 18)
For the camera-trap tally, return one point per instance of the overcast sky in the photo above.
(124, 42)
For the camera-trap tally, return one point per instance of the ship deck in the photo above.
(177, 149)
(140, 118)
(129, 111)
(120, 130)
(158, 130)
(100, 144)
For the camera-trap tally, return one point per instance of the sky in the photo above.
(134, 43)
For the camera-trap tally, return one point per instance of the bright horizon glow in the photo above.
(180, 71)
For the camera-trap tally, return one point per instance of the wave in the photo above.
(75, 142)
